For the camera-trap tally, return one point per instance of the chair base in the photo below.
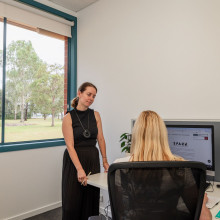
(98, 217)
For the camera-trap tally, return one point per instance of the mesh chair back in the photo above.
(156, 190)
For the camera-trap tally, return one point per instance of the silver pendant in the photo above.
(86, 133)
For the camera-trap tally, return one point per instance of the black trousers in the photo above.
(80, 202)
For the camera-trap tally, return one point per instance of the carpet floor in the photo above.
(55, 214)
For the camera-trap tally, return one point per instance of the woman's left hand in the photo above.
(205, 212)
(106, 166)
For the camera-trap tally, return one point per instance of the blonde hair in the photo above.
(150, 140)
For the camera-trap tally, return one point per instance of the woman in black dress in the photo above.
(82, 128)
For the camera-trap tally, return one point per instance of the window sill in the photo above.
(31, 145)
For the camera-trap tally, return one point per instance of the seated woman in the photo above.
(150, 143)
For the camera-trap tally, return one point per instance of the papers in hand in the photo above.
(212, 201)
(87, 178)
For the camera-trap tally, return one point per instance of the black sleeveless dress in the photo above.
(79, 202)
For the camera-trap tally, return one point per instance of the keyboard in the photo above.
(212, 201)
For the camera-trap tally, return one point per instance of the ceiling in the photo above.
(73, 5)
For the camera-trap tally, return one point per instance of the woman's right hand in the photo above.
(81, 175)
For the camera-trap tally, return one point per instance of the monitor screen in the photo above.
(193, 142)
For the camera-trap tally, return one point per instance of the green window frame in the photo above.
(71, 79)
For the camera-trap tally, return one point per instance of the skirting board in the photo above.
(36, 211)
(45, 209)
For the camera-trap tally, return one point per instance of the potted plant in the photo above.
(125, 140)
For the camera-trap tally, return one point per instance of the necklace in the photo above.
(86, 132)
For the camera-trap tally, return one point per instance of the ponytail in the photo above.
(74, 102)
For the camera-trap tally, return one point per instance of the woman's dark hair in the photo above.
(82, 88)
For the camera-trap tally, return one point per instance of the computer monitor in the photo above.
(193, 143)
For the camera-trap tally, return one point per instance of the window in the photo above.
(38, 76)
(34, 85)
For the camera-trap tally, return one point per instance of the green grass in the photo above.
(33, 129)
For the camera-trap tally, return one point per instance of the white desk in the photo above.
(216, 193)
(98, 180)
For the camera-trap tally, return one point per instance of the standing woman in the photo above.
(82, 128)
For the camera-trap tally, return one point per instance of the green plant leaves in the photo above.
(123, 144)
(125, 140)
(124, 135)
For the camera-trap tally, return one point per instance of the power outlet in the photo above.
(101, 198)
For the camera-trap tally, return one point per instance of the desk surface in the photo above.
(216, 193)
(98, 180)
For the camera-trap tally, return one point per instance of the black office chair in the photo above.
(98, 217)
(156, 190)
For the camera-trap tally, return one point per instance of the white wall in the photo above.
(150, 54)
(30, 182)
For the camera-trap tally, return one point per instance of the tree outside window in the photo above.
(34, 103)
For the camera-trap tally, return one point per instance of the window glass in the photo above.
(1, 71)
(34, 86)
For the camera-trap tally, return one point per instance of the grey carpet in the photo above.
(55, 214)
